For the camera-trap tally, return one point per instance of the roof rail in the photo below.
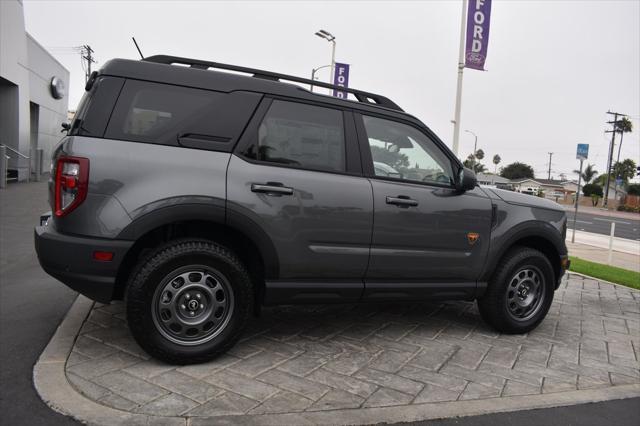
(361, 96)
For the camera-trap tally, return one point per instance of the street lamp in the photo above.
(330, 38)
(475, 147)
(313, 73)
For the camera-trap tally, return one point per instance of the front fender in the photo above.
(506, 235)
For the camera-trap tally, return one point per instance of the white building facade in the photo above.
(33, 93)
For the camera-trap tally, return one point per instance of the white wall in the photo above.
(13, 61)
(27, 65)
(53, 112)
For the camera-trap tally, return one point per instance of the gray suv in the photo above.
(198, 195)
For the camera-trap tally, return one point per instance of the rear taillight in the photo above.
(72, 179)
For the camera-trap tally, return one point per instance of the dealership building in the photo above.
(33, 95)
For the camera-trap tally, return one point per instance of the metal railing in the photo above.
(4, 164)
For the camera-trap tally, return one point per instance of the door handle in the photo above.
(402, 201)
(271, 188)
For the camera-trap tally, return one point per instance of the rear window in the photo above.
(165, 114)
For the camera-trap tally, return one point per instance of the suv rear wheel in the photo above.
(188, 301)
(519, 293)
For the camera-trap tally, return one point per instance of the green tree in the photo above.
(624, 170)
(471, 163)
(592, 189)
(588, 173)
(634, 189)
(624, 125)
(517, 170)
(496, 161)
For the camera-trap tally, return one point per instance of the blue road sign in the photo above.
(583, 151)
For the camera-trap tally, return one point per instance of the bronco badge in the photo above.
(472, 237)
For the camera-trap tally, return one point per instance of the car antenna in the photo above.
(137, 47)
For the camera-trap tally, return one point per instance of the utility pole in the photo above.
(87, 55)
(610, 157)
(549, 173)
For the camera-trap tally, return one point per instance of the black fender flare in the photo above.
(206, 209)
(539, 229)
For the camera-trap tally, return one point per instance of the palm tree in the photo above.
(588, 174)
(496, 161)
(623, 126)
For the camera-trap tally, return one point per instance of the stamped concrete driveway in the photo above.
(303, 359)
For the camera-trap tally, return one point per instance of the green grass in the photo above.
(606, 272)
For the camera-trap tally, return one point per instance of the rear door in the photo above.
(297, 175)
(425, 233)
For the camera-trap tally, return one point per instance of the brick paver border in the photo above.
(51, 382)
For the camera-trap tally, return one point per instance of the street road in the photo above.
(32, 304)
(601, 224)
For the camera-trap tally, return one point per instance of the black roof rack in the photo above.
(361, 96)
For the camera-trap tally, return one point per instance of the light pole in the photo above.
(313, 73)
(475, 148)
(330, 38)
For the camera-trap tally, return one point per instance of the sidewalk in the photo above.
(601, 241)
(602, 212)
(598, 255)
(595, 248)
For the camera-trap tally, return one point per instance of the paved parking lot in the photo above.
(309, 359)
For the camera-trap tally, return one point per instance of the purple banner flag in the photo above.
(341, 78)
(478, 17)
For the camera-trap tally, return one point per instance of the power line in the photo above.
(86, 53)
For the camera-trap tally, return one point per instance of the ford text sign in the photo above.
(477, 33)
(341, 78)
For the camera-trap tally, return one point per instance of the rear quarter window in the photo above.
(174, 115)
(96, 106)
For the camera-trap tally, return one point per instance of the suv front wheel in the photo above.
(520, 292)
(188, 301)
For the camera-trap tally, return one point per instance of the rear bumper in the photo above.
(70, 260)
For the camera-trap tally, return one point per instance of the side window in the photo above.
(161, 113)
(301, 135)
(403, 152)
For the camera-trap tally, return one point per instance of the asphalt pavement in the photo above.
(32, 304)
(601, 224)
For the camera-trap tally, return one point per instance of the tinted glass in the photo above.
(96, 106)
(402, 152)
(302, 135)
(176, 115)
(151, 112)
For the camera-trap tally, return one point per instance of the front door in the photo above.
(424, 230)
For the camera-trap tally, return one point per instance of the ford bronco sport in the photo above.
(197, 195)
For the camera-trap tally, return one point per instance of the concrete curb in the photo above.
(51, 383)
(601, 280)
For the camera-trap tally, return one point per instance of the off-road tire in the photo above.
(148, 275)
(493, 304)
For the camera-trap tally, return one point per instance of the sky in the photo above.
(554, 68)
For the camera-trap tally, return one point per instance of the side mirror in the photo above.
(466, 180)
(65, 127)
